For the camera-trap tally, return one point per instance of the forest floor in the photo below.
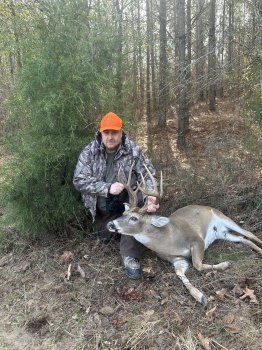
(98, 307)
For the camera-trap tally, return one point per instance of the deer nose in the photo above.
(111, 226)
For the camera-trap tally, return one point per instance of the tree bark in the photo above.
(148, 79)
(222, 49)
(119, 78)
(140, 57)
(153, 65)
(163, 82)
(135, 93)
(188, 61)
(182, 99)
(200, 51)
(230, 34)
(212, 56)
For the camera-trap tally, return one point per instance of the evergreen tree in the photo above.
(65, 84)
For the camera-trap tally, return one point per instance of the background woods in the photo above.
(64, 63)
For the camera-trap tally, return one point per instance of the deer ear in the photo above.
(160, 221)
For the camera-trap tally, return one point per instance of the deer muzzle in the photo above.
(111, 226)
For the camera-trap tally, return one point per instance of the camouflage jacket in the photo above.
(91, 168)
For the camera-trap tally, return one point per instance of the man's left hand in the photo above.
(151, 204)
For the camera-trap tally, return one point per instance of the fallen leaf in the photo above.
(229, 318)
(66, 256)
(81, 271)
(5, 260)
(149, 313)
(205, 342)
(118, 322)
(232, 329)
(69, 272)
(128, 294)
(107, 311)
(164, 301)
(210, 273)
(147, 269)
(210, 313)
(238, 290)
(250, 294)
(246, 281)
(221, 293)
(176, 317)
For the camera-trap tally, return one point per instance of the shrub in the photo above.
(66, 82)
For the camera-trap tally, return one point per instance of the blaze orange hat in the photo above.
(111, 121)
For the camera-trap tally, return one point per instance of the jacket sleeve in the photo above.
(84, 180)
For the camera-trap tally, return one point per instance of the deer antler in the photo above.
(133, 200)
(132, 194)
(154, 192)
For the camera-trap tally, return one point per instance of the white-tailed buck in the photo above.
(186, 233)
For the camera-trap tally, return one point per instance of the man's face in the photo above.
(111, 139)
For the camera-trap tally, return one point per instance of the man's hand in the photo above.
(116, 188)
(151, 204)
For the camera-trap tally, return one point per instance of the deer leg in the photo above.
(197, 252)
(181, 267)
(251, 236)
(239, 239)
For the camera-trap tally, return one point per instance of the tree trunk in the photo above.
(11, 64)
(182, 99)
(230, 34)
(119, 78)
(175, 27)
(200, 52)
(140, 58)
(212, 56)
(163, 82)
(135, 93)
(222, 50)
(188, 62)
(153, 69)
(148, 80)
(16, 35)
(254, 22)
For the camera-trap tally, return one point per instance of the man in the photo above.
(96, 178)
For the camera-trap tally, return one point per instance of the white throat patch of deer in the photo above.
(186, 233)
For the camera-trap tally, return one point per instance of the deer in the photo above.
(182, 236)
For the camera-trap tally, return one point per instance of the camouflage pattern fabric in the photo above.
(91, 168)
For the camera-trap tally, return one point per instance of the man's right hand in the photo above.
(116, 188)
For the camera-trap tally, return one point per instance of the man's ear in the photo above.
(160, 221)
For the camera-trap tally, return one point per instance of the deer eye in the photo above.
(134, 218)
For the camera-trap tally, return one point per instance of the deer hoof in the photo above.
(203, 300)
(224, 265)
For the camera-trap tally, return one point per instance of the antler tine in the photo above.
(132, 194)
(154, 192)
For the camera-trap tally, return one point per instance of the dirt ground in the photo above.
(98, 307)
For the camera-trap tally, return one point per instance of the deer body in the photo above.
(186, 233)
